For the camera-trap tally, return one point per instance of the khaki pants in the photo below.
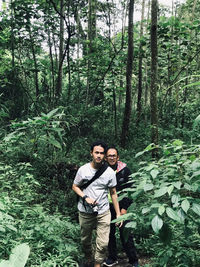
(89, 222)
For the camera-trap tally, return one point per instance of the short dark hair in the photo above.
(112, 147)
(99, 143)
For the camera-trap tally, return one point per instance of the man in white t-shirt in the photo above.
(93, 205)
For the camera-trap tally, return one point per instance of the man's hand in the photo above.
(91, 201)
(119, 224)
(123, 211)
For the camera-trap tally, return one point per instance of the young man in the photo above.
(93, 204)
(122, 174)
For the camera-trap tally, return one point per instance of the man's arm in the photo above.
(113, 194)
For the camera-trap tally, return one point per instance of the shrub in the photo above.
(166, 205)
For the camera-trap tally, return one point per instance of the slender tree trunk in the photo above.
(193, 9)
(69, 69)
(80, 30)
(139, 98)
(146, 94)
(154, 56)
(121, 84)
(55, 50)
(12, 36)
(52, 88)
(114, 109)
(129, 70)
(91, 37)
(35, 64)
(61, 49)
(184, 101)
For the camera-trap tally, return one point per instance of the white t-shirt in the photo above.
(97, 190)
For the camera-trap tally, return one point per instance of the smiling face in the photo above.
(97, 156)
(112, 157)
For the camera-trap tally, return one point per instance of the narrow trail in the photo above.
(123, 261)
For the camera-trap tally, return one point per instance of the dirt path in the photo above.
(123, 261)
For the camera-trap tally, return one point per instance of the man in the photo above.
(122, 174)
(93, 204)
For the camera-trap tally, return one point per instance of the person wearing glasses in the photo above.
(122, 175)
(93, 205)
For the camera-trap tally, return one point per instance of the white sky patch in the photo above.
(169, 2)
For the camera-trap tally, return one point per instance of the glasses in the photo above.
(112, 156)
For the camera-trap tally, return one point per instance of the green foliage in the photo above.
(52, 238)
(18, 257)
(166, 200)
(40, 132)
(38, 137)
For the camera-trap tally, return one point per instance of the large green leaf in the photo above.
(5, 263)
(161, 210)
(145, 210)
(177, 184)
(154, 173)
(177, 142)
(148, 187)
(18, 258)
(131, 225)
(139, 154)
(160, 192)
(185, 205)
(54, 142)
(20, 255)
(175, 200)
(173, 215)
(2, 229)
(196, 208)
(51, 113)
(156, 223)
(170, 189)
(127, 216)
(197, 173)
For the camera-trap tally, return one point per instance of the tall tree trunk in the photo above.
(35, 64)
(61, 49)
(184, 100)
(52, 88)
(12, 36)
(154, 57)
(91, 24)
(139, 99)
(91, 37)
(146, 94)
(80, 30)
(193, 10)
(129, 70)
(114, 109)
(121, 84)
(69, 71)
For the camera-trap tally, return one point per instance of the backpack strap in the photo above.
(98, 173)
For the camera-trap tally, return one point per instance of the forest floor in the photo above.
(123, 261)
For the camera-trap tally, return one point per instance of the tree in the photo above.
(61, 49)
(153, 97)
(129, 70)
(91, 48)
(139, 104)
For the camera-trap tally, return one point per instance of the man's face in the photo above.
(112, 157)
(98, 154)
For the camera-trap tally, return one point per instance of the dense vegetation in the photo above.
(65, 81)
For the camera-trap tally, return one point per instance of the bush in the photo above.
(166, 205)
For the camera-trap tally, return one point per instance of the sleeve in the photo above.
(112, 180)
(78, 178)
